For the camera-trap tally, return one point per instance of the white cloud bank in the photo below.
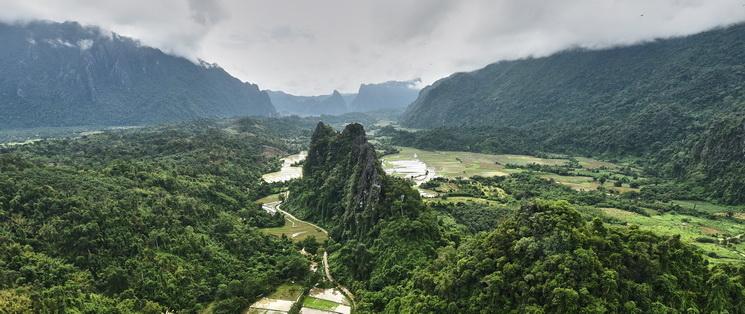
(312, 47)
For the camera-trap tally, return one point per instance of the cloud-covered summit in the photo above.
(309, 47)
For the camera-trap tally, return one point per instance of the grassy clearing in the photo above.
(689, 228)
(709, 207)
(268, 199)
(581, 183)
(296, 230)
(287, 291)
(590, 163)
(319, 304)
(293, 229)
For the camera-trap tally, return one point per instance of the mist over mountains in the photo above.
(387, 95)
(64, 74)
(391, 95)
(287, 104)
(677, 102)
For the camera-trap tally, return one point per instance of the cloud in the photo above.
(286, 32)
(314, 47)
(206, 12)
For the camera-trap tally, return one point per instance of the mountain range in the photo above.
(288, 104)
(679, 103)
(64, 74)
(385, 96)
(390, 95)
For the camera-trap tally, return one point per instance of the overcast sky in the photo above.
(312, 47)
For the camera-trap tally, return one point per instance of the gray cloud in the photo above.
(206, 12)
(313, 47)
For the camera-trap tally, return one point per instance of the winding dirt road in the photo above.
(350, 296)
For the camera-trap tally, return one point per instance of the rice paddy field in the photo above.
(422, 165)
(462, 164)
(718, 238)
(583, 183)
(691, 229)
(325, 301)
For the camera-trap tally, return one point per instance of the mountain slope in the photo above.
(344, 186)
(545, 258)
(63, 74)
(696, 75)
(387, 95)
(664, 101)
(288, 104)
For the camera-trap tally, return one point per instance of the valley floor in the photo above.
(716, 229)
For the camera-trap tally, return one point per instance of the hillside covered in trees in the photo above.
(143, 221)
(679, 103)
(400, 255)
(64, 74)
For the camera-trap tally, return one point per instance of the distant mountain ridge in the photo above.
(385, 96)
(287, 104)
(64, 74)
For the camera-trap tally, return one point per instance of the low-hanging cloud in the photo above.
(312, 47)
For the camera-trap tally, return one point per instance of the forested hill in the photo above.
(679, 103)
(344, 186)
(685, 79)
(63, 74)
(144, 221)
(399, 255)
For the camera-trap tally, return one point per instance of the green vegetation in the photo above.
(171, 218)
(142, 221)
(296, 230)
(546, 258)
(674, 105)
(287, 291)
(490, 244)
(319, 304)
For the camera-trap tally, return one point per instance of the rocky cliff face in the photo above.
(63, 74)
(344, 186)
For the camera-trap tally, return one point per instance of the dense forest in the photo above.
(144, 221)
(541, 256)
(676, 103)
